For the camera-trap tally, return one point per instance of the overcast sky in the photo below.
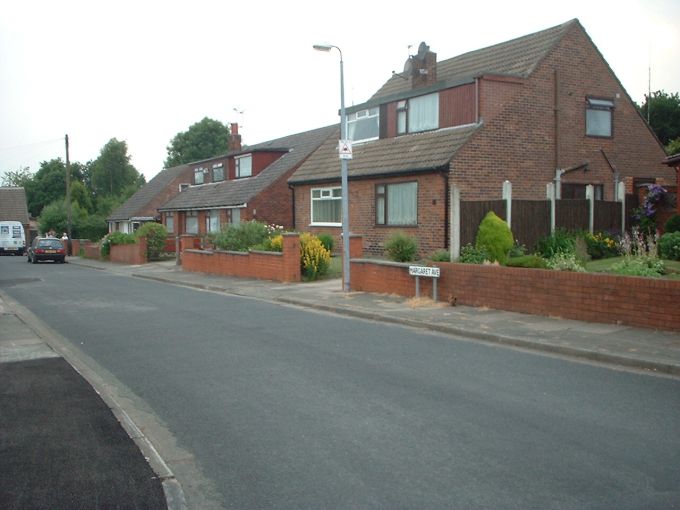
(144, 71)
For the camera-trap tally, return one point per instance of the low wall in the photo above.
(284, 266)
(129, 253)
(634, 301)
(90, 250)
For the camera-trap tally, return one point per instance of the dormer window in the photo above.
(364, 125)
(418, 114)
(244, 166)
(218, 172)
(198, 175)
(599, 113)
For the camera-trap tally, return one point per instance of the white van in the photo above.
(12, 238)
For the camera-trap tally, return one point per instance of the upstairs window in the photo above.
(599, 117)
(198, 175)
(364, 125)
(418, 114)
(218, 172)
(244, 166)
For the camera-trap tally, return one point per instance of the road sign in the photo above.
(345, 149)
(431, 272)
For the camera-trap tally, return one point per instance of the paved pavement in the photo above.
(106, 467)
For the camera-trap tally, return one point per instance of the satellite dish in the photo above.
(422, 50)
(408, 67)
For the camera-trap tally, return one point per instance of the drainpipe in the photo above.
(447, 206)
(476, 100)
(292, 190)
(556, 109)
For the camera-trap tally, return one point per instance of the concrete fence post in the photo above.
(550, 192)
(507, 196)
(454, 223)
(621, 195)
(590, 197)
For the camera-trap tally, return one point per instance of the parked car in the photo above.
(46, 248)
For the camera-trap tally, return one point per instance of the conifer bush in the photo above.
(155, 234)
(495, 237)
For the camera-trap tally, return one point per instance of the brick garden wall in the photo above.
(640, 302)
(284, 266)
(129, 253)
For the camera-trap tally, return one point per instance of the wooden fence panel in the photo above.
(607, 217)
(530, 221)
(471, 215)
(571, 214)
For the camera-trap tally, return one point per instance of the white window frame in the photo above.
(218, 167)
(244, 172)
(170, 222)
(356, 118)
(325, 194)
(599, 112)
(212, 220)
(193, 216)
(199, 172)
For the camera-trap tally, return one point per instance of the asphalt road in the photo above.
(258, 405)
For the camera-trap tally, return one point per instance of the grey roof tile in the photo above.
(517, 57)
(13, 205)
(235, 192)
(403, 154)
(136, 204)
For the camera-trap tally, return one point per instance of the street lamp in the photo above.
(343, 170)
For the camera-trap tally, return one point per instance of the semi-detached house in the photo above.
(247, 183)
(529, 110)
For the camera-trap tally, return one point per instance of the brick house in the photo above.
(13, 207)
(245, 184)
(143, 205)
(542, 108)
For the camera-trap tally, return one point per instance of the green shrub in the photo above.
(565, 262)
(669, 245)
(517, 250)
(441, 256)
(639, 266)
(601, 245)
(470, 254)
(243, 236)
(401, 247)
(561, 241)
(315, 259)
(115, 238)
(327, 241)
(155, 234)
(528, 261)
(92, 227)
(673, 224)
(495, 236)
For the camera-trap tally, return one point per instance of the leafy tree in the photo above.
(81, 196)
(55, 217)
(47, 186)
(202, 140)
(17, 178)
(673, 147)
(664, 114)
(112, 171)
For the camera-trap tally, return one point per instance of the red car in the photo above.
(46, 248)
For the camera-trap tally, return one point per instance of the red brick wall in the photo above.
(431, 213)
(129, 253)
(639, 302)
(284, 266)
(518, 140)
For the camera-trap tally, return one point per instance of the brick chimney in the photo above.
(424, 70)
(234, 138)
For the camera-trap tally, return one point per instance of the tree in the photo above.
(17, 178)
(202, 140)
(112, 171)
(664, 115)
(673, 147)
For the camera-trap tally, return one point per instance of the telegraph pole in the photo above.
(68, 199)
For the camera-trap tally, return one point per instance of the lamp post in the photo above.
(343, 171)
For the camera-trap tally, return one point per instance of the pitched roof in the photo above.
(13, 205)
(235, 192)
(517, 57)
(136, 204)
(419, 152)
